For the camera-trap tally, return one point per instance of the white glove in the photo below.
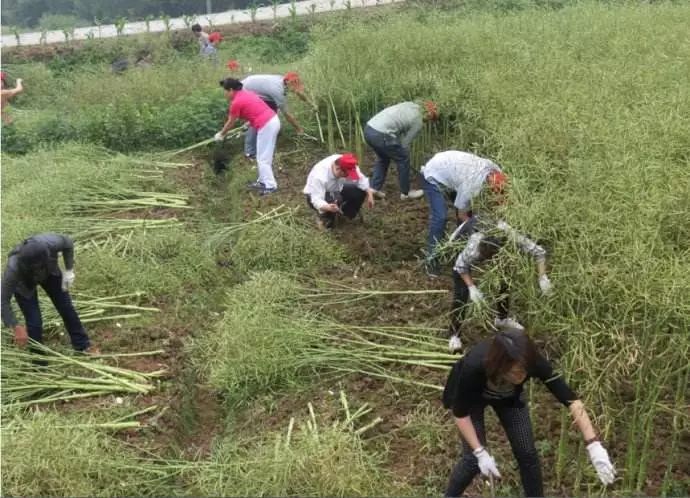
(476, 295)
(602, 463)
(67, 279)
(454, 344)
(545, 285)
(487, 464)
(219, 137)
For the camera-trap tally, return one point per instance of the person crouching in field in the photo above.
(249, 107)
(493, 373)
(390, 133)
(336, 185)
(484, 238)
(273, 89)
(35, 262)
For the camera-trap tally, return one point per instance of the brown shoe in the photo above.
(92, 351)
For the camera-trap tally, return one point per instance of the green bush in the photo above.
(257, 345)
(309, 460)
(46, 454)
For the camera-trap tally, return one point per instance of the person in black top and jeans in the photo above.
(492, 374)
(35, 262)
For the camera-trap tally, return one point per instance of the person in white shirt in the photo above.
(336, 185)
(460, 175)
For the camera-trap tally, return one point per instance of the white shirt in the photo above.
(461, 172)
(322, 180)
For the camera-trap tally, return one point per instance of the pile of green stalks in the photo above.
(221, 236)
(114, 199)
(42, 375)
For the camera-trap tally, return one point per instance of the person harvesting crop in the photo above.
(493, 373)
(7, 95)
(390, 133)
(207, 42)
(273, 89)
(484, 238)
(35, 262)
(454, 174)
(336, 185)
(249, 107)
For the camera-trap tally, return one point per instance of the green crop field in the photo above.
(247, 353)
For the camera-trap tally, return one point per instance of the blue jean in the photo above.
(437, 215)
(63, 304)
(386, 148)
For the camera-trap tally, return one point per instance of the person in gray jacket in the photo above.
(32, 263)
(484, 238)
(390, 133)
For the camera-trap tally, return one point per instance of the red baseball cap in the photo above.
(215, 37)
(293, 80)
(348, 163)
(497, 180)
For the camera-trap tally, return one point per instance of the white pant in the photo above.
(265, 146)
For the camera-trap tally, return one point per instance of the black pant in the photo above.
(518, 427)
(350, 201)
(63, 304)
(461, 296)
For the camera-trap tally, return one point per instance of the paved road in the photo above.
(157, 26)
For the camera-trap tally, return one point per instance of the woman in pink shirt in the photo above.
(249, 107)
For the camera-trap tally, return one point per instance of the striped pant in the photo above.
(516, 422)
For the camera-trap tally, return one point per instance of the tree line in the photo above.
(52, 14)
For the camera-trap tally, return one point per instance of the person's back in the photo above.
(270, 87)
(397, 119)
(249, 106)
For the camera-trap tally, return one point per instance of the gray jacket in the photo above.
(16, 280)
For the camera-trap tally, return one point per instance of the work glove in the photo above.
(600, 459)
(219, 137)
(476, 295)
(67, 279)
(487, 464)
(454, 344)
(545, 285)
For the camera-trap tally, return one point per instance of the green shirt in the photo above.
(403, 121)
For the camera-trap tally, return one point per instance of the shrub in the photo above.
(46, 454)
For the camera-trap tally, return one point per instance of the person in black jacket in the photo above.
(35, 262)
(492, 374)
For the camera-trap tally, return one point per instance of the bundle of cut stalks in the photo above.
(42, 375)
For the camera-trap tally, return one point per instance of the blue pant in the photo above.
(63, 304)
(438, 211)
(387, 148)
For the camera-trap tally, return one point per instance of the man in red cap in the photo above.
(7, 94)
(336, 185)
(273, 89)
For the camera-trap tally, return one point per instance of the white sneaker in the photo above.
(454, 344)
(508, 323)
(379, 195)
(412, 194)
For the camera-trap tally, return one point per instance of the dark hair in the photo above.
(508, 348)
(196, 28)
(231, 84)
